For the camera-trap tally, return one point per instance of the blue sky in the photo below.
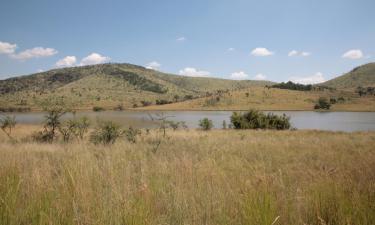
(301, 40)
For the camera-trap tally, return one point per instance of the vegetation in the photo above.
(254, 119)
(362, 76)
(323, 104)
(206, 124)
(97, 109)
(107, 132)
(363, 91)
(293, 86)
(107, 86)
(7, 124)
(195, 177)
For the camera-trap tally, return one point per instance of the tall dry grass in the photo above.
(194, 177)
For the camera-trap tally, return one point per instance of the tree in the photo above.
(7, 123)
(107, 132)
(205, 124)
(322, 104)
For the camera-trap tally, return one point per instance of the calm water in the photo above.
(335, 121)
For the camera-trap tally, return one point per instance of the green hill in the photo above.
(110, 85)
(360, 76)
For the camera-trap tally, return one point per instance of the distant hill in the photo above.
(108, 85)
(360, 76)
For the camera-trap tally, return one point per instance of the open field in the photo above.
(262, 98)
(194, 177)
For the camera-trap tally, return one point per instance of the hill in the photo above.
(363, 76)
(109, 85)
(263, 98)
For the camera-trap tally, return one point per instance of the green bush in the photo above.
(97, 109)
(254, 119)
(206, 124)
(107, 132)
(322, 104)
(74, 128)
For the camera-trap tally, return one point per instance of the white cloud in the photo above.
(260, 76)
(181, 39)
(261, 52)
(239, 75)
(7, 48)
(153, 65)
(67, 61)
(231, 49)
(94, 58)
(305, 54)
(40, 70)
(36, 52)
(297, 53)
(353, 54)
(293, 53)
(192, 72)
(314, 79)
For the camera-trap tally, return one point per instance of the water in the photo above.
(334, 121)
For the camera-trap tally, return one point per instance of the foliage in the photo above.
(322, 104)
(206, 124)
(293, 86)
(55, 109)
(362, 91)
(106, 132)
(224, 124)
(131, 134)
(7, 123)
(97, 109)
(162, 102)
(146, 103)
(176, 124)
(74, 128)
(254, 119)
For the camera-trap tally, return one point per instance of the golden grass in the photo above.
(195, 177)
(273, 99)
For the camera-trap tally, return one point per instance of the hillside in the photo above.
(109, 85)
(360, 76)
(262, 98)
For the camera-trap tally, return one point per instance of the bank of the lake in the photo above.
(333, 121)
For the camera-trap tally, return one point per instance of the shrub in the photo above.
(146, 103)
(322, 104)
(119, 107)
(205, 124)
(224, 124)
(107, 132)
(74, 128)
(254, 119)
(175, 125)
(7, 123)
(162, 102)
(97, 109)
(131, 134)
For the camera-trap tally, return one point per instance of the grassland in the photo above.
(262, 98)
(194, 177)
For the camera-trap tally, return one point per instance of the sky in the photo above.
(306, 41)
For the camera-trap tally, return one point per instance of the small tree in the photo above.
(322, 104)
(106, 133)
(205, 124)
(7, 123)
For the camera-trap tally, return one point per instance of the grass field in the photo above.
(262, 98)
(194, 177)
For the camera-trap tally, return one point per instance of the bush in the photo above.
(119, 107)
(162, 102)
(146, 103)
(74, 128)
(107, 132)
(7, 123)
(254, 119)
(131, 134)
(97, 109)
(206, 124)
(322, 104)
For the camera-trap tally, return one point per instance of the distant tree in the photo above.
(322, 104)
(176, 98)
(205, 124)
(224, 124)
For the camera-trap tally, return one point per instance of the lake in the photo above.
(334, 121)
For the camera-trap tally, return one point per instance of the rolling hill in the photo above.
(360, 76)
(110, 85)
